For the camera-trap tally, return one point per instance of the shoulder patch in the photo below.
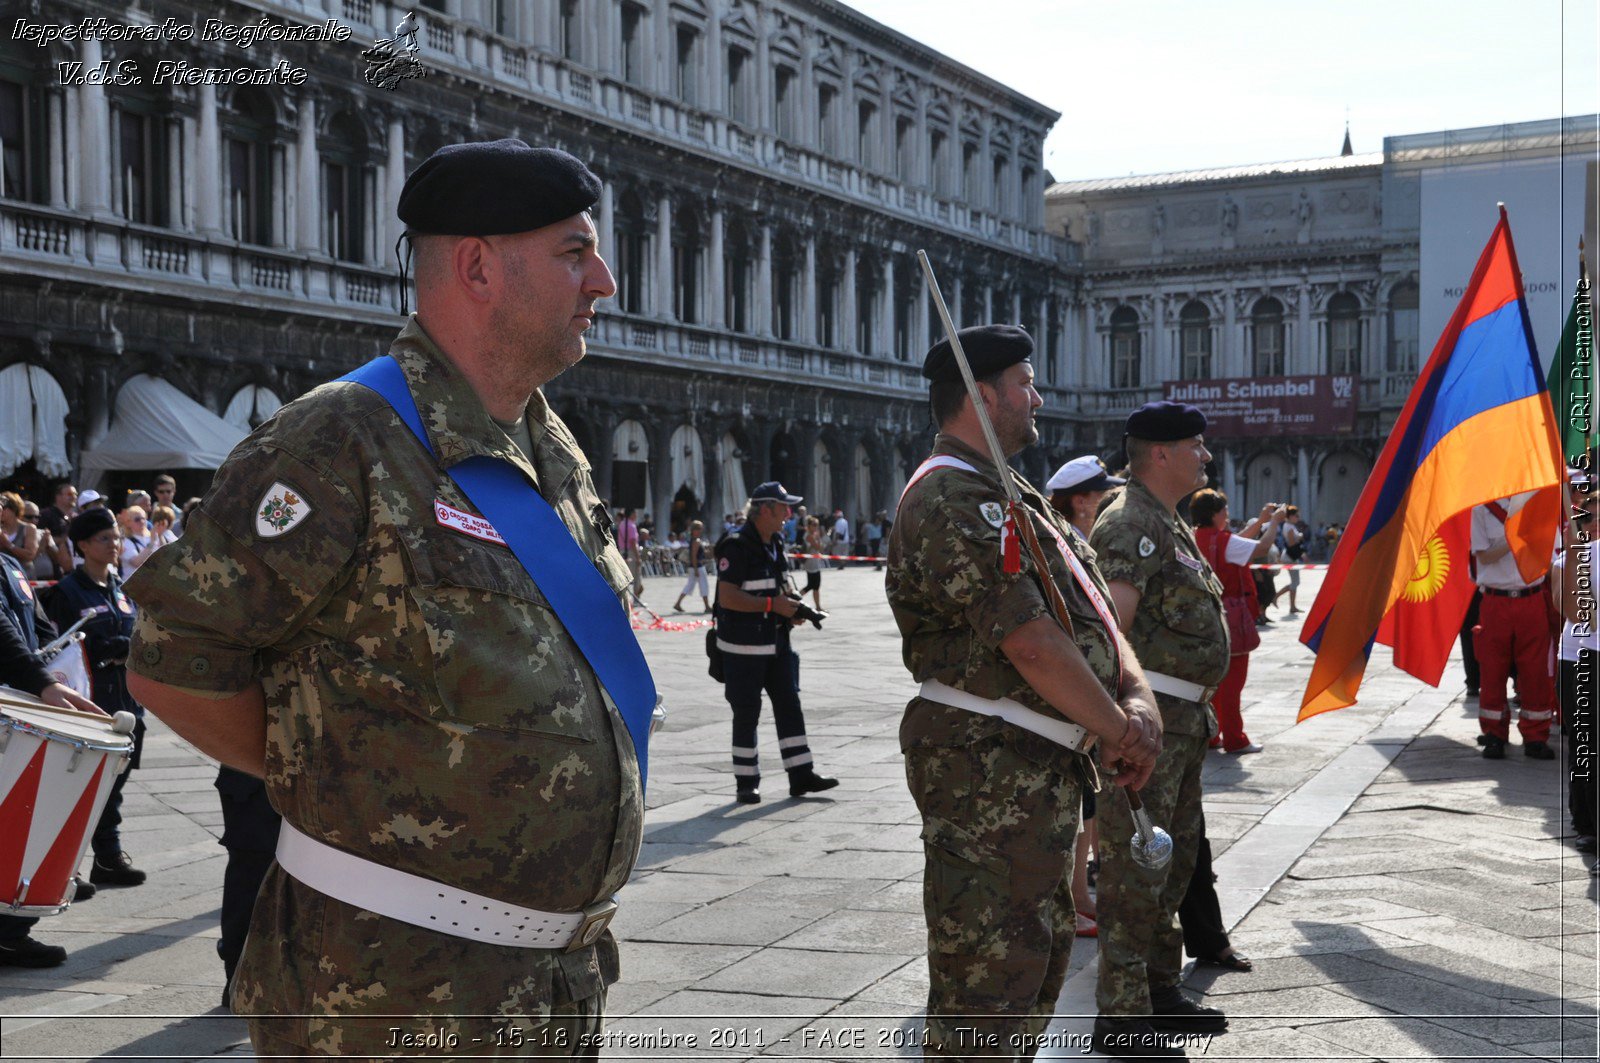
(722, 564)
(280, 509)
(993, 513)
(1146, 547)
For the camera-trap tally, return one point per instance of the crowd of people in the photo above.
(459, 716)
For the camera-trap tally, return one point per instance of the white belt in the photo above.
(425, 903)
(1178, 688)
(1059, 731)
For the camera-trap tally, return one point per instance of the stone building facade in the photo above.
(770, 169)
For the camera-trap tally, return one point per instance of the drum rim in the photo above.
(11, 723)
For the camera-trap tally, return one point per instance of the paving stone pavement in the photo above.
(1402, 897)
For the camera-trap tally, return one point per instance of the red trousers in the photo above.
(1226, 703)
(1514, 629)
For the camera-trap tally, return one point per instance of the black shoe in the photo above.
(1472, 692)
(26, 952)
(1539, 751)
(1482, 740)
(1585, 843)
(1494, 748)
(809, 783)
(751, 796)
(1133, 1039)
(82, 890)
(1175, 1013)
(116, 870)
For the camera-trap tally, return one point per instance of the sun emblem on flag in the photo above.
(1431, 572)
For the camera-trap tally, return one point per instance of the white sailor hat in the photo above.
(1087, 473)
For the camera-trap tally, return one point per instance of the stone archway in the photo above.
(1340, 478)
(630, 466)
(1268, 477)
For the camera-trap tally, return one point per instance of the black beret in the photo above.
(990, 348)
(500, 186)
(89, 523)
(1165, 422)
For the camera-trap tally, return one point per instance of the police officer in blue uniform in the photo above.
(755, 610)
(93, 590)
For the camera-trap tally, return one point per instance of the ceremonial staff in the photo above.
(1151, 846)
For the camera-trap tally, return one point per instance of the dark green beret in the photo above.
(1165, 422)
(499, 186)
(990, 348)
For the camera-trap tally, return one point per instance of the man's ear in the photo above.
(475, 266)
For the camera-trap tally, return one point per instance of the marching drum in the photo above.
(56, 771)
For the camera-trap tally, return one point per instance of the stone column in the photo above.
(764, 294)
(807, 331)
(921, 341)
(988, 304)
(608, 221)
(1223, 354)
(307, 214)
(1302, 487)
(94, 158)
(1307, 362)
(1042, 341)
(663, 283)
(1230, 482)
(1158, 358)
(953, 302)
(847, 310)
(55, 102)
(394, 180)
(208, 166)
(891, 307)
(174, 190)
(716, 288)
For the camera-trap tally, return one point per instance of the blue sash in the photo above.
(583, 601)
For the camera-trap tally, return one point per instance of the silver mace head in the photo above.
(1150, 847)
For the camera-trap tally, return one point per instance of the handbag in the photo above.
(1239, 614)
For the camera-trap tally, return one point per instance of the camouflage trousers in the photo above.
(574, 1031)
(1141, 946)
(997, 831)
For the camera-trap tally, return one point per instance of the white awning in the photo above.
(688, 462)
(251, 405)
(156, 426)
(33, 421)
(734, 494)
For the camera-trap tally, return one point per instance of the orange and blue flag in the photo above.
(1478, 426)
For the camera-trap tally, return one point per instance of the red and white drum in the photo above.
(56, 771)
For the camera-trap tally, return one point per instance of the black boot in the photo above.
(115, 869)
(26, 952)
(1539, 751)
(809, 782)
(1494, 748)
(1176, 1013)
(1133, 1039)
(748, 795)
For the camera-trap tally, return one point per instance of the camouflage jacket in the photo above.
(1179, 628)
(954, 605)
(425, 708)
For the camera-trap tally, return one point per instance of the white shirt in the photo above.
(841, 530)
(1487, 532)
(1574, 639)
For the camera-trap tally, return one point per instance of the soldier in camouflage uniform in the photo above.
(338, 618)
(1000, 800)
(1170, 605)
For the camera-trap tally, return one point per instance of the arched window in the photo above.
(1344, 334)
(1124, 347)
(146, 135)
(1266, 338)
(24, 129)
(787, 260)
(632, 253)
(738, 276)
(867, 283)
(250, 125)
(344, 189)
(1403, 328)
(688, 257)
(1194, 328)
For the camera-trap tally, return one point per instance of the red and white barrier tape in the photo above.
(1286, 566)
(839, 557)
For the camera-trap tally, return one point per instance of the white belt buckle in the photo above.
(596, 918)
